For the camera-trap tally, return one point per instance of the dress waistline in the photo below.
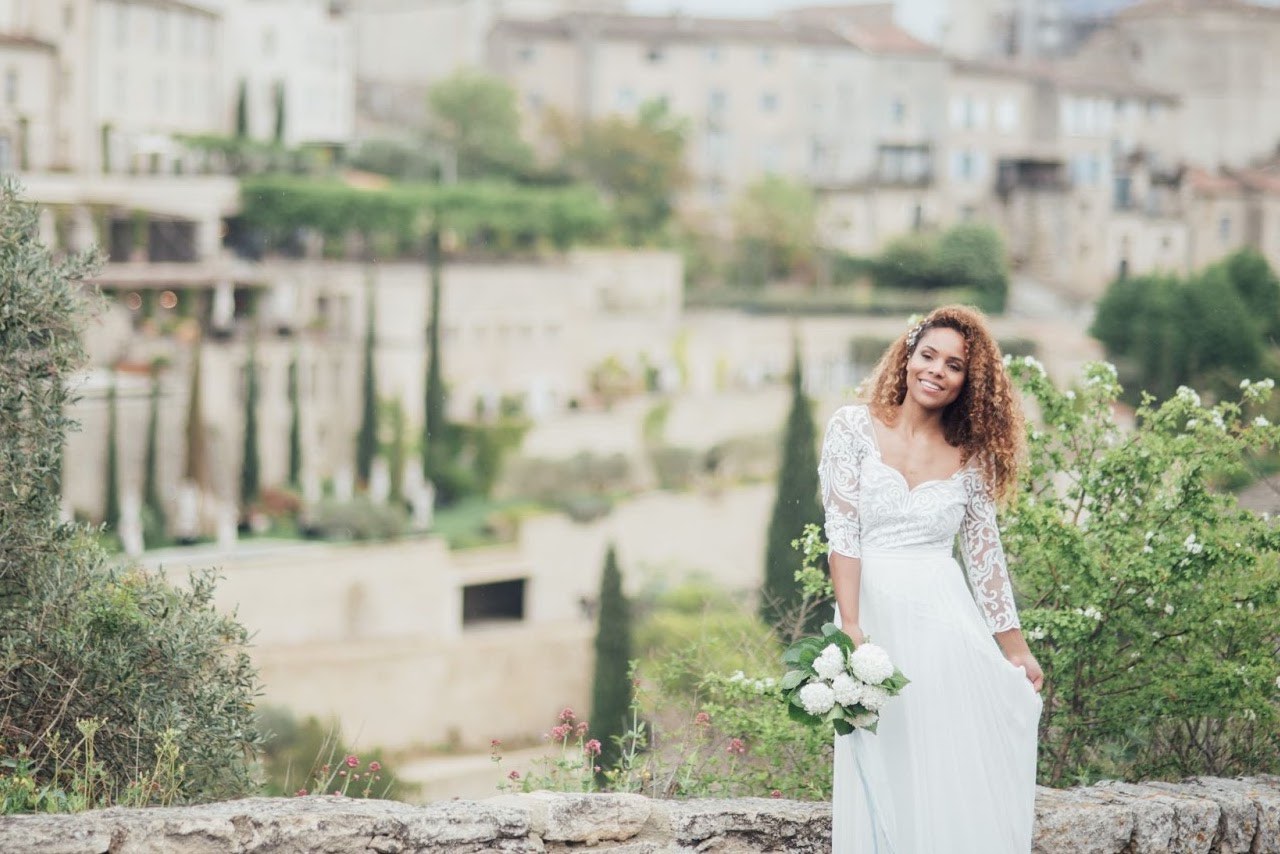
(908, 552)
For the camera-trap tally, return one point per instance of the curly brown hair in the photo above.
(986, 420)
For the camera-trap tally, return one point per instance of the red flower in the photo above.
(514, 775)
(737, 747)
(582, 729)
(561, 732)
(702, 719)
(301, 793)
(375, 766)
(353, 761)
(566, 715)
(775, 794)
(592, 747)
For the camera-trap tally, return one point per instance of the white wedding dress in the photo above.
(951, 769)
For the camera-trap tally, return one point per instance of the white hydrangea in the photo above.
(817, 698)
(1034, 364)
(1216, 417)
(864, 720)
(871, 664)
(1151, 602)
(1038, 633)
(874, 697)
(1191, 545)
(848, 690)
(830, 662)
(1261, 421)
(1168, 609)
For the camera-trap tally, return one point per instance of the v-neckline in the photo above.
(875, 446)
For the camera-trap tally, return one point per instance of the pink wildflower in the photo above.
(582, 729)
(375, 766)
(737, 747)
(775, 794)
(301, 793)
(514, 775)
(566, 715)
(702, 719)
(353, 761)
(561, 732)
(592, 747)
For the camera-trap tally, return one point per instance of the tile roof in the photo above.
(816, 27)
(1078, 77)
(1169, 8)
(672, 28)
(11, 40)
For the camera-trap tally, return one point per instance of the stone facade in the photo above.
(1199, 815)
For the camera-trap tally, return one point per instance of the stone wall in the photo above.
(1197, 815)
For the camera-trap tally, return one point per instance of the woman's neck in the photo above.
(913, 419)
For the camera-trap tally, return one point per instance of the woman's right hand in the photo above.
(855, 633)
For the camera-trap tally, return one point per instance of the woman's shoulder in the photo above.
(851, 423)
(852, 413)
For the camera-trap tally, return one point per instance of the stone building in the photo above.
(1220, 58)
(829, 99)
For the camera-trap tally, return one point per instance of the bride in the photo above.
(951, 769)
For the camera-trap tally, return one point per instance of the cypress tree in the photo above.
(796, 505)
(242, 111)
(280, 113)
(434, 457)
(611, 689)
(250, 477)
(151, 480)
(111, 500)
(295, 427)
(196, 464)
(367, 438)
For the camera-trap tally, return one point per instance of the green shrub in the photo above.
(358, 519)
(117, 687)
(305, 756)
(676, 468)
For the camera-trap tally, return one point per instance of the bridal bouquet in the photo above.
(829, 681)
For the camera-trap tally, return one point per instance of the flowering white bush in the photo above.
(1151, 597)
(871, 664)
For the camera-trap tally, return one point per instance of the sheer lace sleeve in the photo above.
(984, 556)
(838, 475)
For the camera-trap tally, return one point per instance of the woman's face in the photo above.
(936, 370)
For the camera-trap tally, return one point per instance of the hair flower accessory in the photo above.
(913, 335)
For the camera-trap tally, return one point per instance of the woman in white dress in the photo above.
(951, 768)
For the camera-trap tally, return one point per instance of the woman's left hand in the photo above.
(1030, 666)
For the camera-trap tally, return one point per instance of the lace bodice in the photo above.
(868, 505)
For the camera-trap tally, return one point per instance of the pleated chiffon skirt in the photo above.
(952, 766)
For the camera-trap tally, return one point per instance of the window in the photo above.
(771, 157)
(501, 601)
(717, 100)
(963, 165)
(527, 53)
(769, 102)
(1224, 228)
(1007, 115)
(897, 111)
(626, 99)
(11, 86)
(713, 54)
